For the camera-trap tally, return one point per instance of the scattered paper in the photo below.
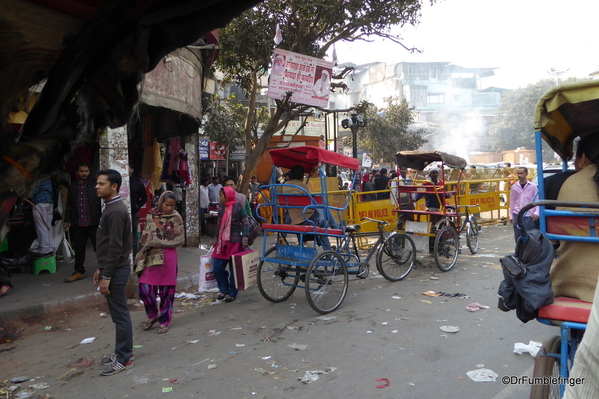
(450, 329)
(473, 307)
(429, 302)
(310, 376)
(482, 375)
(326, 318)
(298, 347)
(532, 347)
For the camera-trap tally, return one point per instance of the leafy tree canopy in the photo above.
(512, 125)
(308, 27)
(387, 129)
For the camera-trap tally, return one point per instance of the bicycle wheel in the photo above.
(276, 282)
(326, 282)
(472, 236)
(547, 367)
(395, 258)
(446, 249)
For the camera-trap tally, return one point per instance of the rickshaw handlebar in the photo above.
(382, 222)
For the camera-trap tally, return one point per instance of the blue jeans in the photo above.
(323, 241)
(117, 303)
(224, 278)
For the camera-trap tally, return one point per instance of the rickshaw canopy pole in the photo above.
(566, 112)
(420, 159)
(309, 156)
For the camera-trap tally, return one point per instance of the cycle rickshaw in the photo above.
(563, 114)
(444, 224)
(324, 274)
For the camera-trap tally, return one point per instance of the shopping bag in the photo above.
(207, 280)
(246, 268)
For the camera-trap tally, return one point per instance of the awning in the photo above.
(566, 112)
(309, 156)
(420, 159)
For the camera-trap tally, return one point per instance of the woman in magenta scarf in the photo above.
(156, 263)
(231, 237)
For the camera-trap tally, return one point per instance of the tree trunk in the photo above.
(261, 145)
(244, 181)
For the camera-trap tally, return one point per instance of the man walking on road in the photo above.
(522, 193)
(81, 218)
(114, 247)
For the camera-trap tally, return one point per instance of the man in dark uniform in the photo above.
(81, 218)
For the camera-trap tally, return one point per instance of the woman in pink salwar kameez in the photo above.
(157, 263)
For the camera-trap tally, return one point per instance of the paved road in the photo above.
(373, 335)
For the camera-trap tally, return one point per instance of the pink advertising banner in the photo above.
(308, 78)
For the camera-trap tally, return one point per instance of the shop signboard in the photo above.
(238, 154)
(204, 149)
(217, 152)
(309, 129)
(308, 78)
(366, 161)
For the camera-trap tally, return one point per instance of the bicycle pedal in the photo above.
(363, 271)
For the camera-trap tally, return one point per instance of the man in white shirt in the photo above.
(204, 204)
(214, 191)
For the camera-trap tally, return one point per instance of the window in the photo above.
(436, 98)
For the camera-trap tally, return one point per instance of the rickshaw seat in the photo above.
(566, 309)
(581, 226)
(287, 199)
(288, 228)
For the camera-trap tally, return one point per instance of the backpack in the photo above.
(255, 230)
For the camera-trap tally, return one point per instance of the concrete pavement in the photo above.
(39, 296)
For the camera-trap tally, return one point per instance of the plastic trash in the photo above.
(326, 318)
(532, 347)
(88, 340)
(473, 307)
(211, 366)
(40, 386)
(298, 347)
(140, 380)
(24, 394)
(482, 375)
(185, 295)
(450, 329)
(311, 376)
(385, 385)
(18, 380)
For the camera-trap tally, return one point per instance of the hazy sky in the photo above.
(523, 38)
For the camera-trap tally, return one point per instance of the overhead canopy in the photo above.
(566, 112)
(309, 156)
(420, 159)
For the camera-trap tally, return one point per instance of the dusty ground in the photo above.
(242, 350)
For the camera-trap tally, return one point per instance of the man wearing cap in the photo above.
(432, 200)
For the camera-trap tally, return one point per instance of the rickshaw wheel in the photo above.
(472, 237)
(396, 256)
(326, 282)
(547, 366)
(276, 283)
(446, 249)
